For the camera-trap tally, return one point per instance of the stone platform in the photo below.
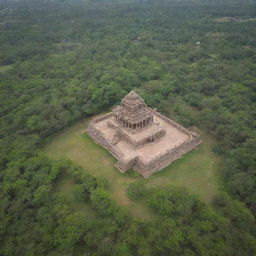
(147, 145)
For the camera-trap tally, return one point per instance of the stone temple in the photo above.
(140, 137)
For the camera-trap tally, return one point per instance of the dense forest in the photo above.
(61, 61)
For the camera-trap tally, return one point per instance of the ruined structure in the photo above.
(140, 137)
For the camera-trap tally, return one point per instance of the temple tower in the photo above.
(133, 113)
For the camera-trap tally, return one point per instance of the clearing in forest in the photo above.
(196, 171)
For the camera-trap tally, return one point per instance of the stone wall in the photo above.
(99, 138)
(103, 117)
(162, 161)
(124, 166)
(171, 122)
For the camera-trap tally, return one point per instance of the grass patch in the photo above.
(5, 68)
(197, 170)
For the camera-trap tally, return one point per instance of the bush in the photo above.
(102, 202)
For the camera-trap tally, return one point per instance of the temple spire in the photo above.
(133, 112)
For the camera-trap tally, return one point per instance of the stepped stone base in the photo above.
(149, 149)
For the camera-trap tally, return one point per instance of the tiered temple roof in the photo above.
(133, 112)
